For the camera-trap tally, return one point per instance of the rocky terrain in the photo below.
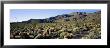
(75, 25)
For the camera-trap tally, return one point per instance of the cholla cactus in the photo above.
(78, 26)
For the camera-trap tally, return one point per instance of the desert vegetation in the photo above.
(76, 25)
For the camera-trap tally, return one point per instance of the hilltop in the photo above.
(64, 17)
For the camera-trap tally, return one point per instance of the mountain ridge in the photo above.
(66, 17)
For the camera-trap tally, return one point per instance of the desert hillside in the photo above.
(75, 25)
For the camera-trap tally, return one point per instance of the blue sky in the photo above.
(18, 15)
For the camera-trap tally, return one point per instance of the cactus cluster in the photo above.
(80, 26)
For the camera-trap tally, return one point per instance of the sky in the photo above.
(19, 15)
